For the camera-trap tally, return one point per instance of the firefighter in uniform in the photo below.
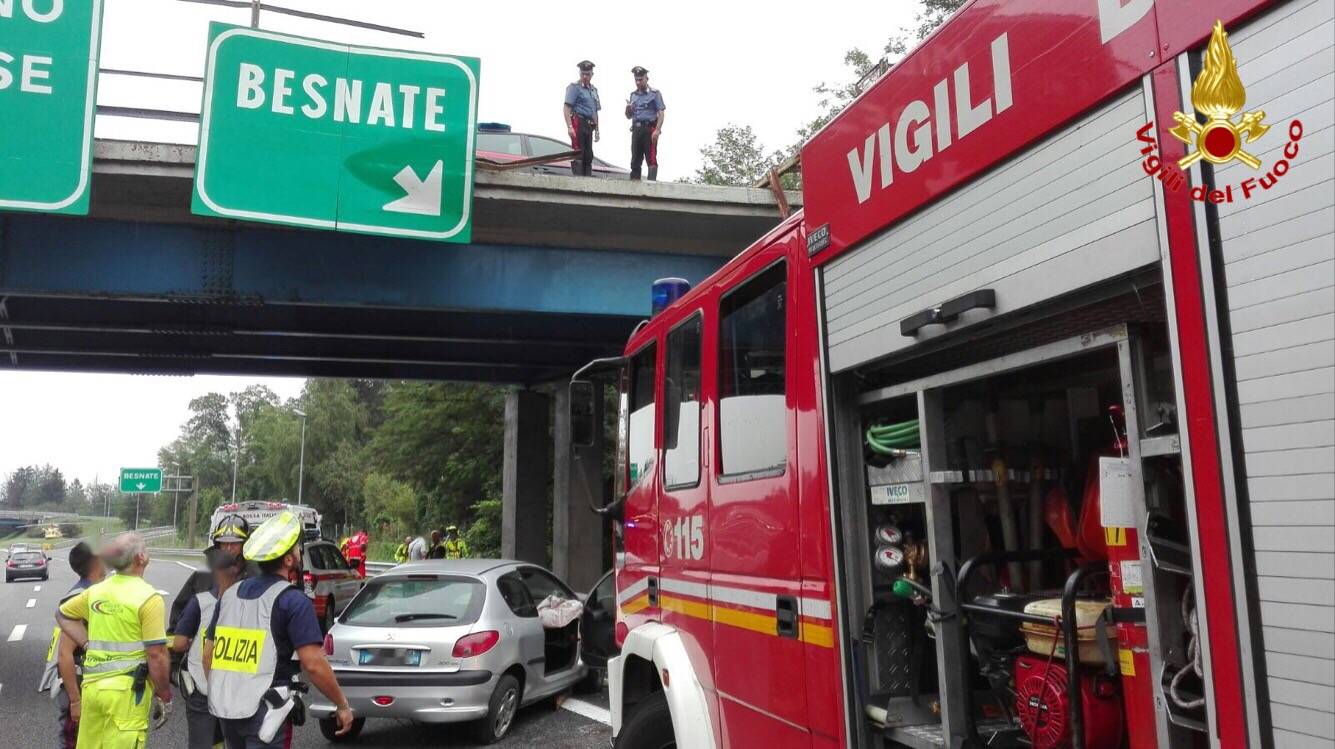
(454, 546)
(125, 650)
(581, 117)
(646, 111)
(258, 626)
(226, 567)
(61, 675)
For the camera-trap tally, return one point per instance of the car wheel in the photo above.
(649, 726)
(501, 712)
(327, 622)
(329, 728)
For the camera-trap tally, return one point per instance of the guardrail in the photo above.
(372, 568)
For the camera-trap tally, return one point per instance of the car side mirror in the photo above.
(582, 408)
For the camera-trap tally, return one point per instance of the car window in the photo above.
(516, 595)
(752, 375)
(316, 558)
(27, 556)
(540, 146)
(540, 584)
(416, 601)
(336, 559)
(507, 143)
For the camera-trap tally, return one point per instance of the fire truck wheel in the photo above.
(649, 726)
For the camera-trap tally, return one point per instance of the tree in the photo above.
(736, 158)
(19, 486)
(391, 506)
(340, 479)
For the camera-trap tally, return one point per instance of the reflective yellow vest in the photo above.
(455, 549)
(115, 640)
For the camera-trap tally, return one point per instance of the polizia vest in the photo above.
(245, 656)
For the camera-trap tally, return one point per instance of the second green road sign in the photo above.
(141, 480)
(48, 83)
(327, 136)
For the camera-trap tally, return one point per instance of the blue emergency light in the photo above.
(667, 291)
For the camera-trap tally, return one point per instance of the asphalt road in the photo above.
(28, 719)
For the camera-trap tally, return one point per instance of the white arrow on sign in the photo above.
(423, 195)
(141, 485)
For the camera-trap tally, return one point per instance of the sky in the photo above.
(717, 63)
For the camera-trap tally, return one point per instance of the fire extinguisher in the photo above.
(1128, 610)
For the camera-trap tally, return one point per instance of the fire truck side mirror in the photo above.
(582, 409)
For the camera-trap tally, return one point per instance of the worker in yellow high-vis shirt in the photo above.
(119, 624)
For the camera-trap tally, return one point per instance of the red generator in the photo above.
(1041, 703)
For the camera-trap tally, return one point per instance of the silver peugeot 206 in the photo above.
(445, 641)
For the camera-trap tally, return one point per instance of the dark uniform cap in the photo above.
(584, 65)
(638, 71)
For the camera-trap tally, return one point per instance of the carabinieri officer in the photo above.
(581, 116)
(646, 111)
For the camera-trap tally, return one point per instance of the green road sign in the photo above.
(141, 480)
(326, 136)
(48, 93)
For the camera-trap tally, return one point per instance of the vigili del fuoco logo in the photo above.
(1218, 97)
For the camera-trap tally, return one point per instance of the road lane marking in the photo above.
(192, 568)
(590, 711)
(31, 602)
(17, 634)
(37, 589)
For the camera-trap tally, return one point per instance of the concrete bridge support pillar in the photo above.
(577, 532)
(525, 471)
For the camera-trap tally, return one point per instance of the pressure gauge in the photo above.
(889, 535)
(890, 559)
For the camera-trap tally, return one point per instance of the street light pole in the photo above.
(301, 466)
(236, 458)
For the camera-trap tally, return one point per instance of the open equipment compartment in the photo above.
(994, 518)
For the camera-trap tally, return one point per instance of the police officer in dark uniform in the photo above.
(581, 116)
(646, 111)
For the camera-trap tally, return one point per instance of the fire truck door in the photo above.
(752, 531)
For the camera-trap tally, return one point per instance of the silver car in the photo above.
(443, 641)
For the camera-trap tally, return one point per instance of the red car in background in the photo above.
(497, 142)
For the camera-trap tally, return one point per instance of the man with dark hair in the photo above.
(646, 111)
(226, 567)
(258, 626)
(63, 660)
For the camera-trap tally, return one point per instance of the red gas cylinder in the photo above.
(1041, 703)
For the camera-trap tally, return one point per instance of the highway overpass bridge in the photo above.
(559, 272)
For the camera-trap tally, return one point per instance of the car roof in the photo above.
(455, 566)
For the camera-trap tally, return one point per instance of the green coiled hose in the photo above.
(887, 439)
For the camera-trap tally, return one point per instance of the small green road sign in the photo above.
(327, 136)
(48, 94)
(141, 480)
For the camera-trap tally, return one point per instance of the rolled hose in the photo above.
(885, 439)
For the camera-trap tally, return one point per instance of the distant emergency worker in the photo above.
(119, 624)
(646, 111)
(356, 551)
(454, 546)
(401, 553)
(64, 660)
(226, 566)
(581, 117)
(258, 626)
(417, 549)
(437, 550)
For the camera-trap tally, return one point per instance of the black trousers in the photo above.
(642, 149)
(583, 141)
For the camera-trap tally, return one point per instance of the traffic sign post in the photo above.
(48, 96)
(327, 136)
(141, 480)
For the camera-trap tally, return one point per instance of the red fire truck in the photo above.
(1020, 433)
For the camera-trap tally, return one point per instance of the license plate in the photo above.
(389, 657)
